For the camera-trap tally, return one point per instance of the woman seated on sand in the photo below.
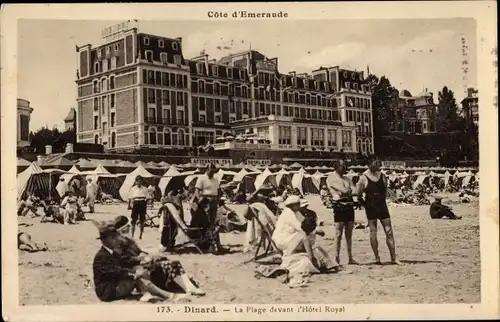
(70, 205)
(30, 204)
(25, 243)
(155, 276)
(295, 236)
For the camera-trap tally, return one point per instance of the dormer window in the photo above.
(306, 83)
(347, 85)
(345, 74)
(108, 50)
(164, 57)
(99, 53)
(177, 60)
(353, 76)
(161, 43)
(175, 46)
(199, 68)
(149, 55)
(294, 81)
(361, 77)
(230, 72)
(214, 70)
(146, 40)
(355, 86)
(117, 47)
(96, 67)
(242, 74)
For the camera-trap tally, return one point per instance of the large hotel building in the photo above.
(137, 91)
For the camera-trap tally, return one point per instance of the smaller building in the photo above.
(70, 120)
(24, 111)
(413, 114)
(470, 106)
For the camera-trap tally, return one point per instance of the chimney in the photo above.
(48, 149)
(179, 39)
(69, 148)
(39, 159)
(292, 73)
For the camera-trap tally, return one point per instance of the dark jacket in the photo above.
(108, 271)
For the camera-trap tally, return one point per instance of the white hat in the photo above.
(304, 203)
(292, 200)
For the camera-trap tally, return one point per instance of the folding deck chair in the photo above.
(266, 242)
(195, 236)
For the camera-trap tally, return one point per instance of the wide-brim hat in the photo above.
(105, 228)
(292, 200)
(304, 203)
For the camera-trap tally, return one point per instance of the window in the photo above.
(301, 136)
(164, 57)
(353, 76)
(96, 87)
(245, 108)
(151, 96)
(165, 81)
(112, 101)
(165, 96)
(117, 47)
(167, 138)
(218, 119)
(347, 85)
(180, 99)
(112, 123)
(201, 86)
(111, 82)
(152, 136)
(285, 135)
(345, 74)
(177, 60)
(217, 106)
(113, 62)
(113, 139)
(231, 107)
(180, 117)
(151, 77)
(355, 85)
(99, 53)
(108, 50)
(181, 137)
(96, 139)
(96, 104)
(166, 116)
(232, 119)
(202, 119)
(229, 73)
(146, 40)
(161, 43)
(152, 115)
(175, 46)
(217, 89)
(96, 122)
(96, 67)
(317, 137)
(149, 55)
(332, 138)
(214, 70)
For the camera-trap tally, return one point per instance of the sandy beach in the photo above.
(441, 263)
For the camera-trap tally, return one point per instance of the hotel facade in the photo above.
(138, 91)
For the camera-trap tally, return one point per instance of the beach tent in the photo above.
(318, 179)
(109, 183)
(125, 164)
(173, 179)
(74, 169)
(152, 164)
(470, 177)
(163, 164)
(130, 180)
(35, 179)
(421, 178)
(248, 181)
(190, 180)
(22, 162)
(283, 177)
(351, 174)
(225, 175)
(304, 182)
(265, 177)
(296, 166)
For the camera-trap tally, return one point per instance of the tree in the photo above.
(45, 136)
(447, 116)
(384, 95)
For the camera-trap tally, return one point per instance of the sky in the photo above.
(413, 54)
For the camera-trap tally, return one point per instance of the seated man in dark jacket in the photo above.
(440, 211)
(113, 278)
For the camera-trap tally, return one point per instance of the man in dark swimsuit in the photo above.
(374, 186)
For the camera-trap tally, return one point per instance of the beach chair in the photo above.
(150, 220)
(265, 243)
(195, 236)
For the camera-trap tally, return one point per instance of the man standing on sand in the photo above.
(342, 189)
(374, 186)
(137, 202)
(90, 198)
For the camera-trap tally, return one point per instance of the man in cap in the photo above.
(439, 211)
(137, 201)
(114, 279)
(342, 189)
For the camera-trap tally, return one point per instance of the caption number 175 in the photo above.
(163, 309)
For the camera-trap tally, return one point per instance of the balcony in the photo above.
(241, 146)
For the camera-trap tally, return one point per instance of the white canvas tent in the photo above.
(74, 169)
(265, 177)
(35, 179)
(130, 180)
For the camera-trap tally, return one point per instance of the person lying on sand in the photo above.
(120, 267)
(25, 243)
(439, 211)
